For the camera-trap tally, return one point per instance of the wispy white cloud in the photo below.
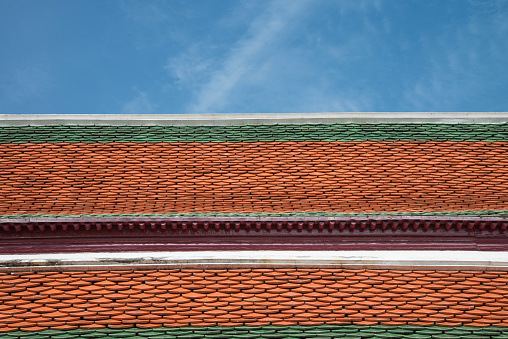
(189, 68)
(263, 33)
(279, 65)
(140, 104)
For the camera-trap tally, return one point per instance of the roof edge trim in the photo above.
(415, 260)
(253, 118)
(263, 219)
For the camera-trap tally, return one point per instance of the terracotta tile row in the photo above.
(257, 297)
(79, 178)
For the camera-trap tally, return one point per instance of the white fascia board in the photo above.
(252, 118)
(416, 260)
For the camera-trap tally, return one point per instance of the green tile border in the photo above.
(271, 332)
(256, 133)
(486, 213)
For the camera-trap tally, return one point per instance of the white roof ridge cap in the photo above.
(222, 119)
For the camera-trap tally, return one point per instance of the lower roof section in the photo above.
(253, 301)
(413, 260)
(67, 235)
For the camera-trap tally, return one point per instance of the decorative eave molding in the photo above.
(395, 222)
(252, 118)
(46, 235)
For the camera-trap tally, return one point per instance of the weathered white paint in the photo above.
(348, 259)
(252, 118)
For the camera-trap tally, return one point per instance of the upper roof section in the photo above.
(253, 118)
(255, 127)
(261, 164)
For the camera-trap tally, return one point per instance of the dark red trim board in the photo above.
(46, 235)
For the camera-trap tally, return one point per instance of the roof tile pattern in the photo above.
(290, 170)
(255, 133)
(36, 301)
(262, 332)
(252, 177)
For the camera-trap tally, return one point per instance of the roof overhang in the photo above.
(46, 235)
(29, 235)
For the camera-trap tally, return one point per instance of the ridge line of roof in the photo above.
(252, 118)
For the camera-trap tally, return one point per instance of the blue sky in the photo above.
(253, 56)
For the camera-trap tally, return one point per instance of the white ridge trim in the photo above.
(252, 118)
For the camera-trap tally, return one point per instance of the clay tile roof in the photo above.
(278, 165)
(51, 168)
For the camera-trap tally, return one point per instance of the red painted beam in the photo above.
(45, 235)
(415, 223)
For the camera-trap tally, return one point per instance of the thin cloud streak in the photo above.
(262, 33)
(189, 68)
